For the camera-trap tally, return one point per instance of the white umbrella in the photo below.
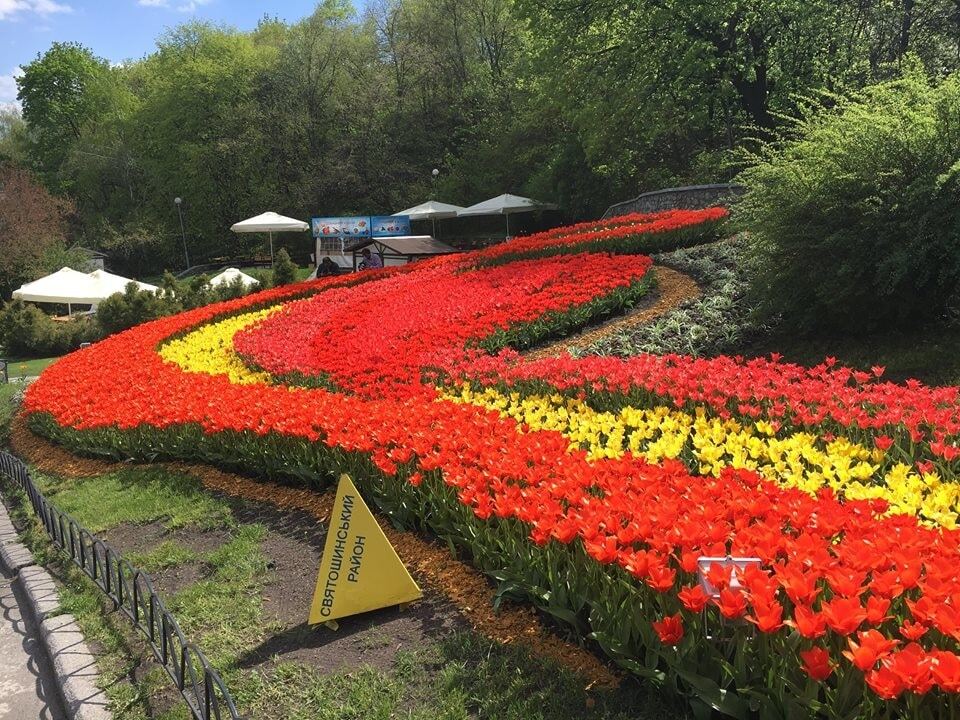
(506, 205)
(70, 287)
(231, 274)
(432, 210)
(107, 283)
(65, 286)
(270, 222)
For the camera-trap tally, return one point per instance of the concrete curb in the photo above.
(41, 591)
(74, 666)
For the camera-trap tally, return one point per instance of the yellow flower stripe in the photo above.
(209, 349)
(708, 444)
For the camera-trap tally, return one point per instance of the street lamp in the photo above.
(177, 201)
(433, 196)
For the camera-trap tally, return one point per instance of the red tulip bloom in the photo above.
(809, 623)
(885, 683)
(768, 617)
(694, 598)
(670, 629)
(946, 671)
(732, 603)
(660, 577)
(877, 610)
(843, 615)
(873, 647)
(912, 631)
(816, 663)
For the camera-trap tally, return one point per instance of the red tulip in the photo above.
(670, 629)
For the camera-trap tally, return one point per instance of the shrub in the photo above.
(284, 270)
(855, 218)
(132, 307)
(26, 331)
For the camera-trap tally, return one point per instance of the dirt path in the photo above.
(673, 287)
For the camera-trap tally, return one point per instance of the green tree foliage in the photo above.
(855, 217)
(59, 99)
(13, 136)
(582, 104)
(284, 270)
(658, 90)
(132, 307)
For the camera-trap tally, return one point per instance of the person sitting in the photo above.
(371, 261)
(327, 267)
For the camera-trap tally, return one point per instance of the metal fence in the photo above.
(131, 591)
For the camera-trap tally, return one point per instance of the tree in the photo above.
(33, 225)
(658, 89)
(54, 91)
(284, 271)
(13, 136)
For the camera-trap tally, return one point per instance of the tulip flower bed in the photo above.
(589, 487)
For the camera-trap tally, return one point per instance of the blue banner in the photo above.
(390, 225)
(376, 226)
(340, 226)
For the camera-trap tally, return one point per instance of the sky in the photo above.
(116, 30)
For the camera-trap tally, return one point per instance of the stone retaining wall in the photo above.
(691, 197)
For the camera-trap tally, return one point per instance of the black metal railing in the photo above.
(131, 591)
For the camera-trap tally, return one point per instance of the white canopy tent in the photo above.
(230, 275)
(506, 205)
(108, 283)
(71, 287)
(270, 222)
(433, 211)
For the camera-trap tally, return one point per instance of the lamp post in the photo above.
(433, 195)
(177, 201)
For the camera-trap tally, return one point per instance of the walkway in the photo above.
(27, 686)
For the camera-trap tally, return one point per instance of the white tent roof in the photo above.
(72, 287)
(231, 274)
(505, 204)
(108, 283)
(63, 286)
(431, 210)
(270, 222)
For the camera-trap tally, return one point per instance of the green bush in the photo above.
(26, 331)
(855, 217)
(284, 270)
(132, 307)
(8, 408)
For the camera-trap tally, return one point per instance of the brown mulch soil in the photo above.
(141, 538)
(673, 287)
(293, 546)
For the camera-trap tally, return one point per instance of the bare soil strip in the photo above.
(673, 288)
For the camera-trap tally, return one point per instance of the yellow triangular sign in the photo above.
(359, 570)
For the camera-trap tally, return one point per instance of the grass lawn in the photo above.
(20, 368)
